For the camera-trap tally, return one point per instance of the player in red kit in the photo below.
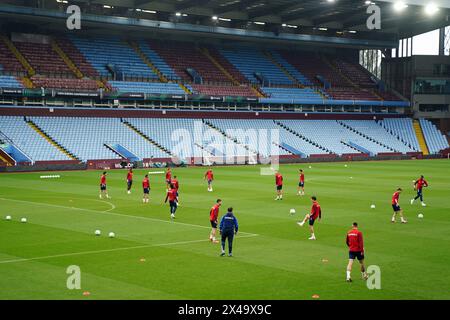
(173, 199)
(418, 186)
(316, 213)
(279, 186)
(168, 177)
(129, 180)
(396, 206)
(213, 219)
(301, 184)
(176, 186)
(355, 245)
(103, 190)
(209, 176)
(146, 188)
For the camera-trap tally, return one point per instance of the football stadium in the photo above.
(224, 150)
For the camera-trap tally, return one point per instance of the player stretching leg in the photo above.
(209, 176)
(129, 180)
(173, 199)
(396, 206)
(316, 213)
(213, 219)
(103, 190)
(418, 185)
(279, 185)
(301, 184)
(356, 250)
(146, 187)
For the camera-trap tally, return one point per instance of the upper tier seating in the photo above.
(10, 82)
(291, 69)
(403, 129)
(351, 93)
(147, 87)
(242, 91)
(158, 62)
(43, 59)
(29, 141)
(85, 137)
(183, 55)
(77, 57)
(355, 72)
(281, 94)
(227, 65)
(436, 141)
(103, 51)
(376, 132)
(312, 65)
(69, 84)
(8, 61)
(250, 61)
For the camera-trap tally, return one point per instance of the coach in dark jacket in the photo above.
(228, 228)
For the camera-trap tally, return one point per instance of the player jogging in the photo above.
(103, 190)
(279, 186)
(146, 188)
(173, 199)
(316, 213)
(129, 180)
(356, 251)
(418, 186)
(301, 184)
(396, 206)
(213, 219)
(168, 177)
(209, 176)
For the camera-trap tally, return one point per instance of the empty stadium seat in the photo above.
(10, 82)
(147, 87)
(436, 141)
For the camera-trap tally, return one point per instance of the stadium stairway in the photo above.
(421, 138)
(209, 124)
(66, 60)
(114, 151)
(139, 132)
(285, 71)
(50, 140)
(366, 136)
(303, 137)
(182, 86)
(147, 61)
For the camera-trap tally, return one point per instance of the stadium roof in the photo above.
(332, 18)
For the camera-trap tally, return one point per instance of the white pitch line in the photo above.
(116, 214)
(113, 250)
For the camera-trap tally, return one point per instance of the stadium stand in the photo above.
(298, 76)
(10, 82)
(157, 61)
(436, 141)
(281, 94)
(28, 140)
(147, 87)
(115, 53)
(86, 137)
(251, 62)
(77, 57)
(228, 67)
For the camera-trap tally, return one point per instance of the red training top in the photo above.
(214, 213)
(278, 179)
(355, 240)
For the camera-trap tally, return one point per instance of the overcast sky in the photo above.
(426, 44)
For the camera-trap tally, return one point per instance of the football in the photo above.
(111, 235)
(292, 211)
(372, 206)
(98, 232)
(23, 220)
(8, 217)
(420, 216)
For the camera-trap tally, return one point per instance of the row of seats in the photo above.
(242, 91)
(64, 83)
(435, 140)
(403, 129)
(147, 87)
(291, 93)
(10, 82)
(8, 61)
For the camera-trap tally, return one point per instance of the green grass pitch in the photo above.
(273, 259)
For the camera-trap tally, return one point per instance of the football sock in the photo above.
(348, 275)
